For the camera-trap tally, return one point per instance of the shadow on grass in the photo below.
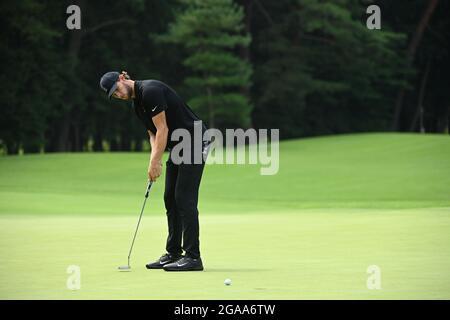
(235, 270)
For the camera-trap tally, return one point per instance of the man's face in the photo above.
(123, 91)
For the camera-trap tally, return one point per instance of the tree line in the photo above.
(306, 67)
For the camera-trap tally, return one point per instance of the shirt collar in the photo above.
(137, 92)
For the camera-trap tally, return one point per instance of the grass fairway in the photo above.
(338, 205)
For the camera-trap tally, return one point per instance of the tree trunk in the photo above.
(125, 141)
(76, 130)
(76, 143)
(64, 128)
(443, 123)
(98, 140)
(410, 54)
(12, 147)
(72, 54)
(113, 145)
(138, 145)
(420, 107)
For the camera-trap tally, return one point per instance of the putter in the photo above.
(128, 267)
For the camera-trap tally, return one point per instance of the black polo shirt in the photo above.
(153, 97)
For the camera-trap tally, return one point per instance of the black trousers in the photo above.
(181, 199)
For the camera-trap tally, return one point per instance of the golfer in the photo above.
(162, 111)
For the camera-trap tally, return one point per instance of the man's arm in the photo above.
(151, 137)
(158, 145)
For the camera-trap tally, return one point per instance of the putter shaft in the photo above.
(139, 221)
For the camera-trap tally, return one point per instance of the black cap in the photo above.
(108, 82)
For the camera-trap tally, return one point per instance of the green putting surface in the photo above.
(338, 205)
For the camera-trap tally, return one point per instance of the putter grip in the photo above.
(148, 188)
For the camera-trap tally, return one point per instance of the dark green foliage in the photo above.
(321, 71)
(210, 31)
(307, 67)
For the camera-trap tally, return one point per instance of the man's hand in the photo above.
(154, 170)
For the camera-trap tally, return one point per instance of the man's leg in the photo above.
(174, 222)
(186, 199)
(173, 245)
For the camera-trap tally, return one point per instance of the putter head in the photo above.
(124, 268)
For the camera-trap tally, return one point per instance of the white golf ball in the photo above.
(227, 282)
